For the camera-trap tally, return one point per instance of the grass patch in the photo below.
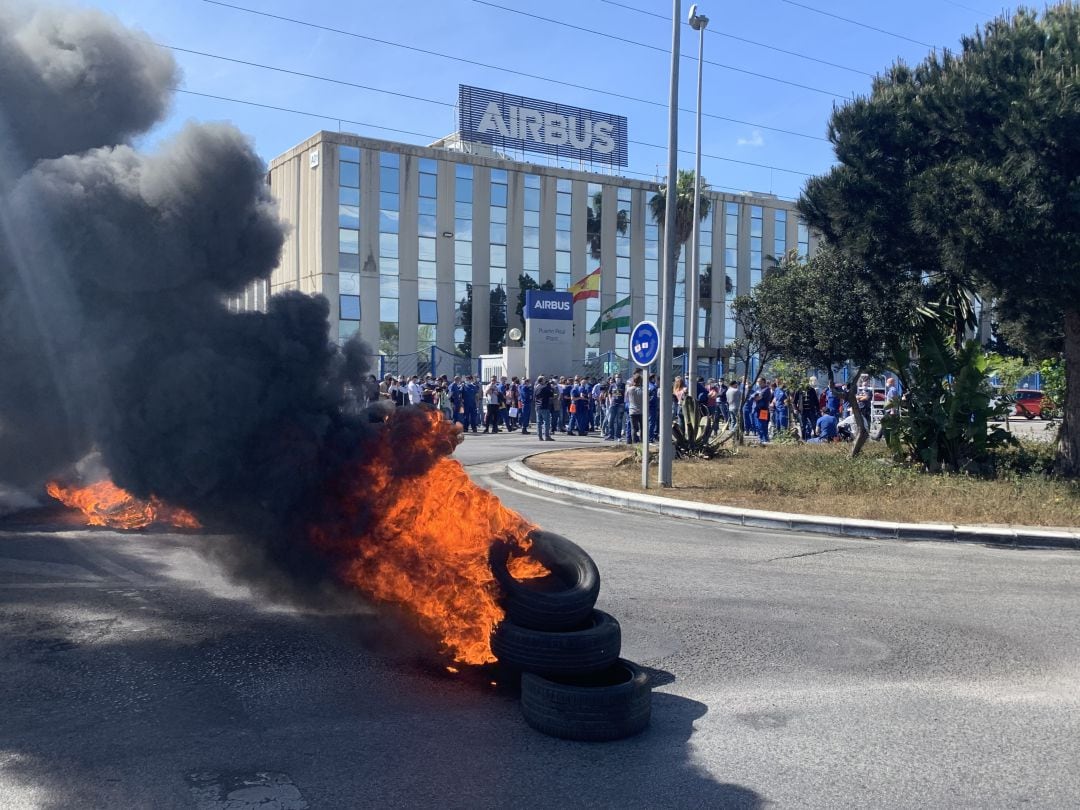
(822, 480)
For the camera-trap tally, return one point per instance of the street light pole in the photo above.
(698, 22)
(667, 279)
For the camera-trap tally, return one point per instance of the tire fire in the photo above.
(426, 537)
(105, 504)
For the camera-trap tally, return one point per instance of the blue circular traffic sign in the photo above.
(644, 343)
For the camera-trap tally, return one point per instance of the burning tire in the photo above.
(562, 600)
(608, 705)
(592, 648)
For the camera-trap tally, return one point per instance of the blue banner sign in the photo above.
(549, 306)
(506, 121)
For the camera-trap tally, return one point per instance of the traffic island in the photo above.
(789, 487)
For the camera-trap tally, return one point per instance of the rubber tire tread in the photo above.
(588, 713)
(557, 610)
(560, 653)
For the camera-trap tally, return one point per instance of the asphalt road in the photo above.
(1044, 430)
(792, 671)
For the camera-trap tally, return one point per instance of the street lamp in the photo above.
(667, 279)
(698, 22)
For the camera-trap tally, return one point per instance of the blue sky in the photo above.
(481, 32)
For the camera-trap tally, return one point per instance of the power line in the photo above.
(727, 159)
(627, 41)
(337, 118)
(726, 35)
(418, 98)
(305, 75)
(503, 69)
(341, 120)
(969, 8)
(856, 22)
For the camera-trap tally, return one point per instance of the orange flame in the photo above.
(106, 504)
(426, 540)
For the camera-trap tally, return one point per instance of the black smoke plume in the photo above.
(114, 269)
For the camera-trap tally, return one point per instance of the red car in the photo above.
(1032, 403)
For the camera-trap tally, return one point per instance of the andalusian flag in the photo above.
(614, 317)
(588, 287)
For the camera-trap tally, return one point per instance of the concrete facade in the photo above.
(402, 260)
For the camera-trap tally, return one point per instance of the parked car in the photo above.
(1031, 403)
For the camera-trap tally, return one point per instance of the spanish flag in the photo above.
(588, 287)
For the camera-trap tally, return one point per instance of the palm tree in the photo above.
(594, 218)
(684, 218)
(705, 280)
(684, 206)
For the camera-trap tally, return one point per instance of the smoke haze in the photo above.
(114, 267)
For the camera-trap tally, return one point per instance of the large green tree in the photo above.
(968, 166)
(828, 311)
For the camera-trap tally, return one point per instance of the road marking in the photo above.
(491, 483)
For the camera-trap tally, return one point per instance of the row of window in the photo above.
(349, 206)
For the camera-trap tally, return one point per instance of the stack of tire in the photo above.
(574, 685)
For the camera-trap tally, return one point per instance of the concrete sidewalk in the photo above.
(1021, 536)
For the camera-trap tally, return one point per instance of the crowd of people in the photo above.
(614, 407)
(572, 405)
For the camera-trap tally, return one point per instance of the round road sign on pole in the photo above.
(644, 343)
(644, 347)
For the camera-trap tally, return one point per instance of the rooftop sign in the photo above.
(506, 121)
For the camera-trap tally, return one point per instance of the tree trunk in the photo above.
(862, 430)
(740, 431)
(1069, 438)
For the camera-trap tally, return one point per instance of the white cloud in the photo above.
(754, 140)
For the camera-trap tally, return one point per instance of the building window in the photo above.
(427, 312)
(350, 307)
(756, 216)
(593, 261)
(389, 213)
(624, 198)
(425, 266)
(463, 269)
(779, 234)
(348, 209)
(731, 267)
(705, 279)
(530, 237)
(564, 203)
(804, 241)
(348, 174)
(652, 269)
(426, 199)
(497, 252)
(348, 241)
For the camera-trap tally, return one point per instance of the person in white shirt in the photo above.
(415, 393)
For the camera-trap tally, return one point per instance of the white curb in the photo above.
(820, 524)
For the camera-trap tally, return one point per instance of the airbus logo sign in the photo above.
(514, 122)
(544, 305)
(550, 128)
(562, 305)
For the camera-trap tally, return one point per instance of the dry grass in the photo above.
(821, 479)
